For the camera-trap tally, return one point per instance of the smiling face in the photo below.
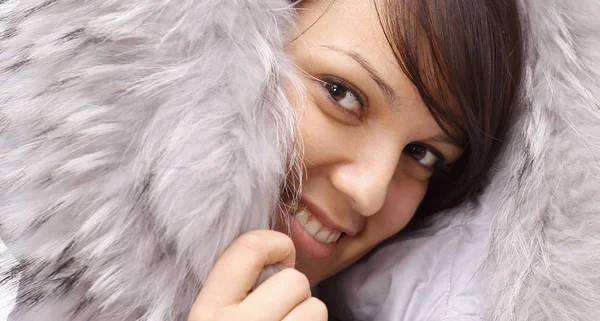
(370, 144)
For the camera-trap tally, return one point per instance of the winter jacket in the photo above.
(139, 138)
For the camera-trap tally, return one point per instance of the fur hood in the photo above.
(140, 137)
(546, 227)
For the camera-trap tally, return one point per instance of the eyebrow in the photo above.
(389, 93)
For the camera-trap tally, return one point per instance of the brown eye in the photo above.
(338, 92)
(344, 97)
(424, 155)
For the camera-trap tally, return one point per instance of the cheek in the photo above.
(403, 197)
(309, 123)
(324, 140)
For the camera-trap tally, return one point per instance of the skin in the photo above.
(360, 169)
(368, 153)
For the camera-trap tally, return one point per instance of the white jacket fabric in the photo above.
(138, 138)
(432, 274)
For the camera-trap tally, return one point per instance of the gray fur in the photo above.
(138, 139)
(546, 233)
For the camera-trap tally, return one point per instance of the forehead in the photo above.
(354, 26)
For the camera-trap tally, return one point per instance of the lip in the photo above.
(306, 244)
(321, 216)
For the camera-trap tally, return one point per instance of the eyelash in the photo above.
(345, 86)
(439, 167)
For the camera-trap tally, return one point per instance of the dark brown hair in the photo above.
(465, 58)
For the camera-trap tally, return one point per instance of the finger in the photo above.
(311, 309)
(236, 271)
(277, 296)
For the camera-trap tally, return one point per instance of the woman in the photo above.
(372, 145)
(141, 140)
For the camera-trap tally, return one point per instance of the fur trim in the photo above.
(138, 139)
(546, 234)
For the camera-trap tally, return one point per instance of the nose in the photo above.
(365, 180)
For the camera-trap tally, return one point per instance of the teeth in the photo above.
(301, 217)
(323, 236)
(333, 237)
(312, 227)
(315, 228)
(337, 236)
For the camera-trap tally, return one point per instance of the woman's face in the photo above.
(370, 144)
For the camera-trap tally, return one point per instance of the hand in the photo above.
(227, 295)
